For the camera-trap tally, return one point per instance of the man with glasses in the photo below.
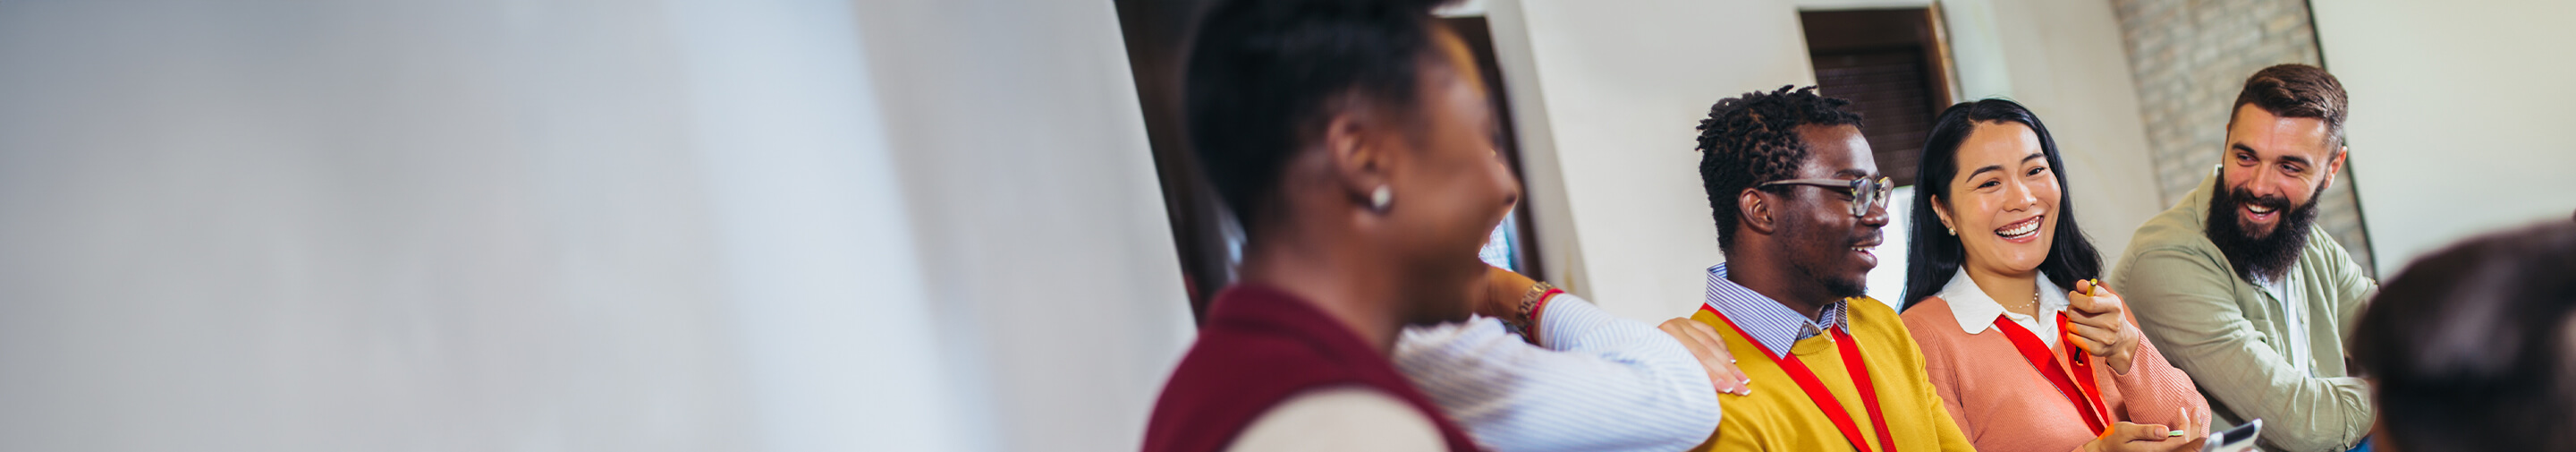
(2239, 287)
(1799, 202)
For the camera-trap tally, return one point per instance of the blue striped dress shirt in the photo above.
(1776, 326)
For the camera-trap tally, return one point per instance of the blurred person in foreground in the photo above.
(2239, 286)
(2023, 362)
(2473, 348)
(1798, 202)
(1354, 143)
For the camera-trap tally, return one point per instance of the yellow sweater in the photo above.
(1780, 417)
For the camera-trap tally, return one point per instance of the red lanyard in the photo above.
(2082, 392)
(1824, 398)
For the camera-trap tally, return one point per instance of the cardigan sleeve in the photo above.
(2154, 392)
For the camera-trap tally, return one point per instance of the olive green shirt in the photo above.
(2232, 337)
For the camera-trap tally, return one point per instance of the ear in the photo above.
(1359, 161)
(1941, 207)
(1753, 211)
(2335, 165)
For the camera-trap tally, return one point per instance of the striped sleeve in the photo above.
(1602, 383)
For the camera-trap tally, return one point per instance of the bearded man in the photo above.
(2241, 290)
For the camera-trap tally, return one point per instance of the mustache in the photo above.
(2245, 197)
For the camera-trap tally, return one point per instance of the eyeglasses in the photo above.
(1866, 194)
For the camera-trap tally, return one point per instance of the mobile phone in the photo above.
(2239, 439)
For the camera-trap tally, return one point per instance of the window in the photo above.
(1892, 65)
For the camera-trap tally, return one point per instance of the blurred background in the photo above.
(967, 225)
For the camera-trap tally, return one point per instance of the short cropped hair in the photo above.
(2473, 347)
(1749, 140)
(1263, 76)
(2296, 91)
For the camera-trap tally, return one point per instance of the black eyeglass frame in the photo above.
(1866, 194)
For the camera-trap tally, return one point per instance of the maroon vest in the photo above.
(1260, 346)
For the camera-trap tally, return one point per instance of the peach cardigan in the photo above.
(2004, 404)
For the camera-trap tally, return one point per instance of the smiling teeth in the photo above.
(2027, 228)
(2259, 209)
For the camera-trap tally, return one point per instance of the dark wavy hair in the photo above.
(2296, 91)
(1932, 256)
(1749, 140)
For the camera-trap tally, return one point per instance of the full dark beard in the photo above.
(2267, 256)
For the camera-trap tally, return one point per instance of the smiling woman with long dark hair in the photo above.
(2027, 350)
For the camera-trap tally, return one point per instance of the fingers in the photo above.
(2199, 421)
(2092, 297)
(2154, 432)
(2184, 414)
(2096, 340)
(2127, 432)
(2104, 320)
(2103, 289)
(1717, 346)
(2080, 297)
(2087, 304)
(2195, 432)
(1722, 368)
(1704, 343)
(1724, 361)
(2190, 427)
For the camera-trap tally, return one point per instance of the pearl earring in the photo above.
(1380, 198)
(1953, 231)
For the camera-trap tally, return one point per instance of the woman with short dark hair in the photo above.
(1354, 142)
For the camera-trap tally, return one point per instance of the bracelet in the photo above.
(1526, 318)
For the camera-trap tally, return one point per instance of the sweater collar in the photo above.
(1771, 324)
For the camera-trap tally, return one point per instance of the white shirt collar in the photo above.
(1976, 312)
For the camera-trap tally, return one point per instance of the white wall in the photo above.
(2458, 116)
(360, 227)
(2067, 64)
(636, 225)
(1025, 160)
(1607, 95)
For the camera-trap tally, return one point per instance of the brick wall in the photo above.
(2189, 57)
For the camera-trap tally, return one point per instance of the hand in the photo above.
(1500, 295)
(2101, 325)
(1704, 343)
(2195, 428)
(2128, 437)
